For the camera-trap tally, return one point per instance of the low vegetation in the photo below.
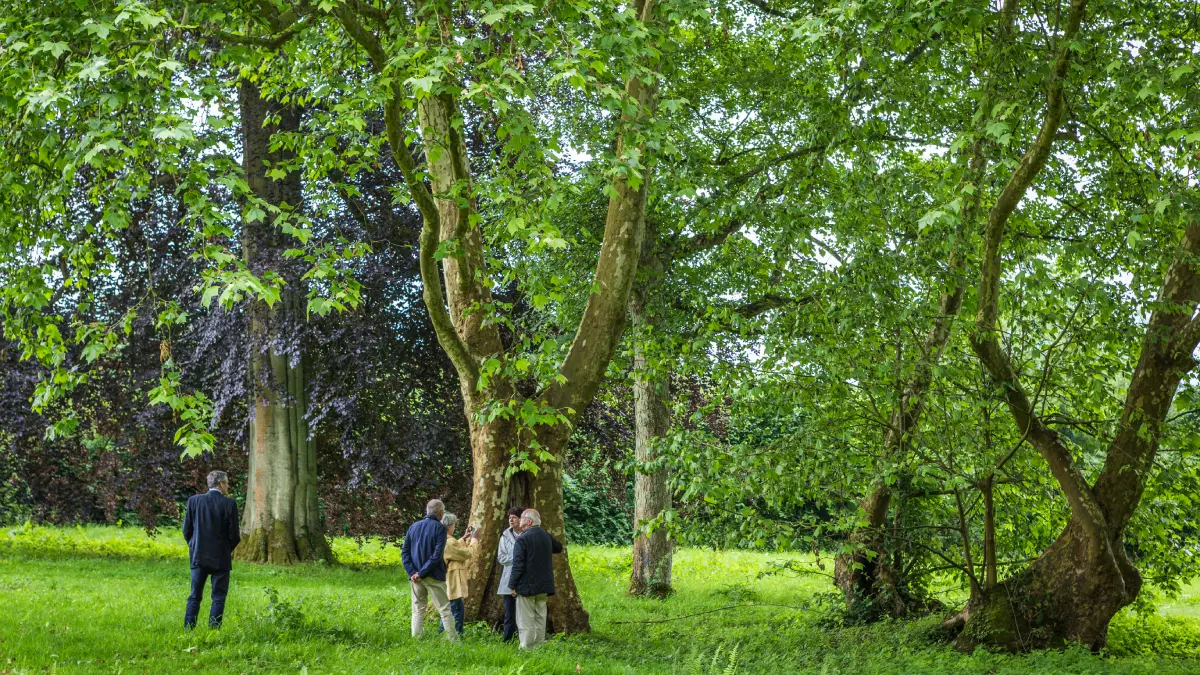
(84, 600)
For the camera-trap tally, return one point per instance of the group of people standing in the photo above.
(437, 565)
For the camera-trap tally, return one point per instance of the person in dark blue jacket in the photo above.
(532, 577)
(422, 554)
(211, 530)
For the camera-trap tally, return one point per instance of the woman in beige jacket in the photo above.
(458, 555)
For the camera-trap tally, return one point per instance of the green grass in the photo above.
(108, 600)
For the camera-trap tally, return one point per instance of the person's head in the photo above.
(435, 508)
(530, 518)
(217, 480)
(514, 517)
(450, 521)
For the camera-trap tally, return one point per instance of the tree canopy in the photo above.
(909, 284)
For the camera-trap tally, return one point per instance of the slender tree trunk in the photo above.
(863, 576)
(282, 523)
(652, 554)
(989, 534)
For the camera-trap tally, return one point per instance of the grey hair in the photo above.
(449, 520)
(533, 516)
(435, 507)
(215, 478)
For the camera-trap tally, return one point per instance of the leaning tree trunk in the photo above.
(652, 553)
(867, 581)
(282, 523)
(1074, 589)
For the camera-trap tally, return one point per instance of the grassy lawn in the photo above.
(110, 600)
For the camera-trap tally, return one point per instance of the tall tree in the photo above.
(281, 524)
(504, 423)
(1073, 590)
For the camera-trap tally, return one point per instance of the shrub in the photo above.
(1153, 635)
(592, 518)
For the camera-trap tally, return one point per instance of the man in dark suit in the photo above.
(211, 530)
(532, 577)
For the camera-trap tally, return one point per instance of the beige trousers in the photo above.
(531, 620)
(422, 593)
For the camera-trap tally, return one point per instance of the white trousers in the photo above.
(422, 593)
(531, 620)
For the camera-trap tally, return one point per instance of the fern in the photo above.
(731, 668)
(720, 663)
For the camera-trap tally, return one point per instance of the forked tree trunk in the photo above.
(1074, 589)
(1071, 592)
(282, 523)
(652, 553)
(460, 315)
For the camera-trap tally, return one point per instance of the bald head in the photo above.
(531, 518)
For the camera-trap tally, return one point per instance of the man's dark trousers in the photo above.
(220, 588)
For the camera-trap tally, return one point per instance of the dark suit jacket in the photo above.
(211, 530)
(533, 563)
(424, 548)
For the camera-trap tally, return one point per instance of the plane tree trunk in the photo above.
(1072, 591)
(281, 523)
(871, 585)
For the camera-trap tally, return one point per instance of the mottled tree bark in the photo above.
(652, 553)
(281, 524)
(1075, 588)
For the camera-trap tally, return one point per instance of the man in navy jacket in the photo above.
(532, 578)
(211, 530)
(422, 554)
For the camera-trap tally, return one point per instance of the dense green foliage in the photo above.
(921, 276)
(594, 517)
(99, 599)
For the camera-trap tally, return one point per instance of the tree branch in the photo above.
(430, 237)
(984, 339)
(771, 301)
(767, 9)
(604, 316)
